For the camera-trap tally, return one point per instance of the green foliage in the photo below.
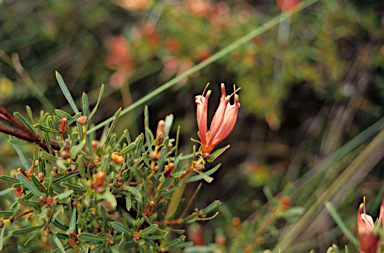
(77, 189)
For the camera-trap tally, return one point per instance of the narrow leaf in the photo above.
(66, 93)
(58, 243)
(121, 228)
(98, 101)
(24, 121)
(132, 190)
(20, 153)
(28, 184)
(86, 237)
(64, 195)
(24, 230)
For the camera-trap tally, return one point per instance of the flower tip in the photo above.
(209, 92)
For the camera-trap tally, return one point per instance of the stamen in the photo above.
(205, 89)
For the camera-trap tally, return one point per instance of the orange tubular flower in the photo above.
(369, 242)
(222, 123)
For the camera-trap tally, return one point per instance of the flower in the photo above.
(369, 241)
(222, 123)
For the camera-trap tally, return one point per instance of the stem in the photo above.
(27, 212)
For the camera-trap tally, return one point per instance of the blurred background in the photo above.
(309, 86)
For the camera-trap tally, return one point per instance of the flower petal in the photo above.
(229, 122)
(219, 115)
(201, 116)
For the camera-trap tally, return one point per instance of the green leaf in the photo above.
(63, 178)
(66, 247)
(10, 179)
(66, 93)
(58, 243)
(48, 157)
(149, 230)
(6, 191)
(168, 124)
(105, 218)
(30, 115)
(190, 218)
(117, 115)
(76, 149)
(86, 237)
(80, 164)
(208, 179)
(85, 104)
(97, 104)
(127, 149)
(199, 177)
(63, 114)
(46, 129)
(114, 249)
(24, 121)
(30, 238)
(35, 204)
(217, 153)
(28, 184)
(72, 223)
(25, 230)
(20, 143)
(121, 228)
(332, 211)
(128, 202)
(74, 118)
(211, 207)
(132, 190)
(108, 196)
(20, 153)
(64, 195)
(158, 235)
(57, 224)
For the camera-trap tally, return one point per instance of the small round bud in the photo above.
(119, 184)
(156, 169)
(82, 120)
(136, 236)
(55, 169)
(199, 166)
(77, 242)
(236, 221)
(100, 178)
(95, 144)
(119, 178)
(220, 240)
(100, 189)
(40, 177)
(94, 185)
(43, 199)
(205, 155)
(54, 174)
(284, 203)
(200, 214)
(11, 218)
(19, 170)
(117, 158)
(152, 155)
(110, 241)
(46, 232)
(63, 125)
(49, 201)
(72, 242)
(74, 202)
(1, 223)
(65, 154)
